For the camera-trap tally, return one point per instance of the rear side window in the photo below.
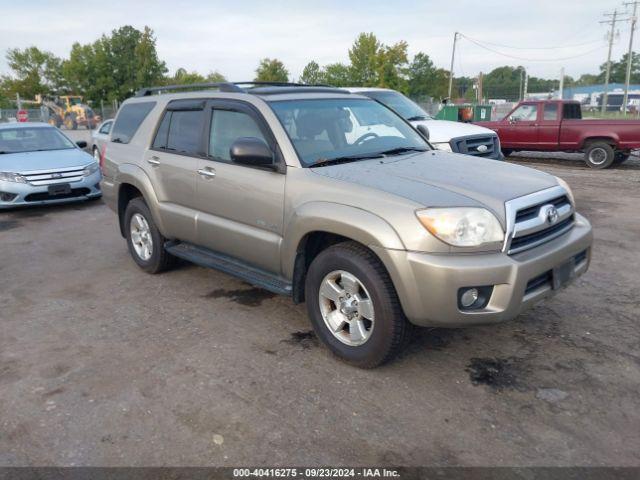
(129, 119)
(180, 132)
(571, 111)
(551, 111)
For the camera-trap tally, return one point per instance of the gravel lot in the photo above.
(101, 364)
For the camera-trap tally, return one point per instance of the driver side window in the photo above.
(526, 113)
(226, 127)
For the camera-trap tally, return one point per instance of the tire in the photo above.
(621, 157)
(507, 152)
(387, 326)
(159, 259)
(599, 155)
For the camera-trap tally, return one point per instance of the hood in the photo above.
(29, 161)
(442, 179)
(444, 130)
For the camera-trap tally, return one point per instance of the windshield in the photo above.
(397, 102)
(16, 140)
(328, 129)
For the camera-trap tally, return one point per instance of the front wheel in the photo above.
(145, 242)
(353, 305)
(507, 152)
(599, 155)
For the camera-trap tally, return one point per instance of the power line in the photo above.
(535, 48)
(531, 59)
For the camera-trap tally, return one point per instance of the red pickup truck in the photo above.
(557, 126)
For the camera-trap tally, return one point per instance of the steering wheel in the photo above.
(362, 138)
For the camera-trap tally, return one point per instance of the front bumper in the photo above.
(14, 194)
(428, 284)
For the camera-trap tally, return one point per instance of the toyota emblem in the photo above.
(552, 215)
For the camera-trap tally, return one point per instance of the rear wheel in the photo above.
(507, 152)
(145, 242)
(353, 305)
(599, 155)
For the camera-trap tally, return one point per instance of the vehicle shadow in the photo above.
(43, 210)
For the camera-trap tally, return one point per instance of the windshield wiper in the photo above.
(350, 158)
(396, 151)
(418, 117)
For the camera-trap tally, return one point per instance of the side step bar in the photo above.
(218, 261)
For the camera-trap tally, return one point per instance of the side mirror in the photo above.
(424, 131)
(82, 144)
(251, 151)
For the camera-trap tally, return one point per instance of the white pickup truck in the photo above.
(444, 135)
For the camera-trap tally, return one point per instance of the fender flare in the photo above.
(610, 138)
(348, 221)
(131, 174)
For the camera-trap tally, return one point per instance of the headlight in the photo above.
(442, 146)
(462, 227)
(12, 177)
(565, 185)
(90, 169)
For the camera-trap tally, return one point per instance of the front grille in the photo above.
(51, 177)
(42, 196)
(532, 221)
(532, 212)
(533, 239)
(478, 145)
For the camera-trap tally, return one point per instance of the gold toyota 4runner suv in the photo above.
(333, 199)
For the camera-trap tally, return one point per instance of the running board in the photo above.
(218, 261)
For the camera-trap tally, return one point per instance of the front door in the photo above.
(518, 129)
(241, 207)
(549, 126)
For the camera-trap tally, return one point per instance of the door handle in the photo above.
(155, 161)
(207, 172)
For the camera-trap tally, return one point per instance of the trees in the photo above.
(337, 75)
(115, 66)
(364, 60)
(391, 63)
(424, 79)
(619, 69)
(271, 70)
(34, 72)
(312, 74)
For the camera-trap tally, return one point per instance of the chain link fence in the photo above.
(41, 115)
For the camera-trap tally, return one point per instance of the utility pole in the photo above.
(561, 87)
(522, 91)
(627, 78)
(612, 34)
(480, 93)
(453, 55)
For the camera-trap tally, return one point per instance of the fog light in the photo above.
(469, 297)
(7, 197)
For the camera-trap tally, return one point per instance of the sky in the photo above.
(232, 36)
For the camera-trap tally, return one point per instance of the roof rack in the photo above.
(236, 87)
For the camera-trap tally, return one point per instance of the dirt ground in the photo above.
(104, 365)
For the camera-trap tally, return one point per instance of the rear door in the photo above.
(241, 207)
(519, 128)
(549, 126)
(172, 162)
